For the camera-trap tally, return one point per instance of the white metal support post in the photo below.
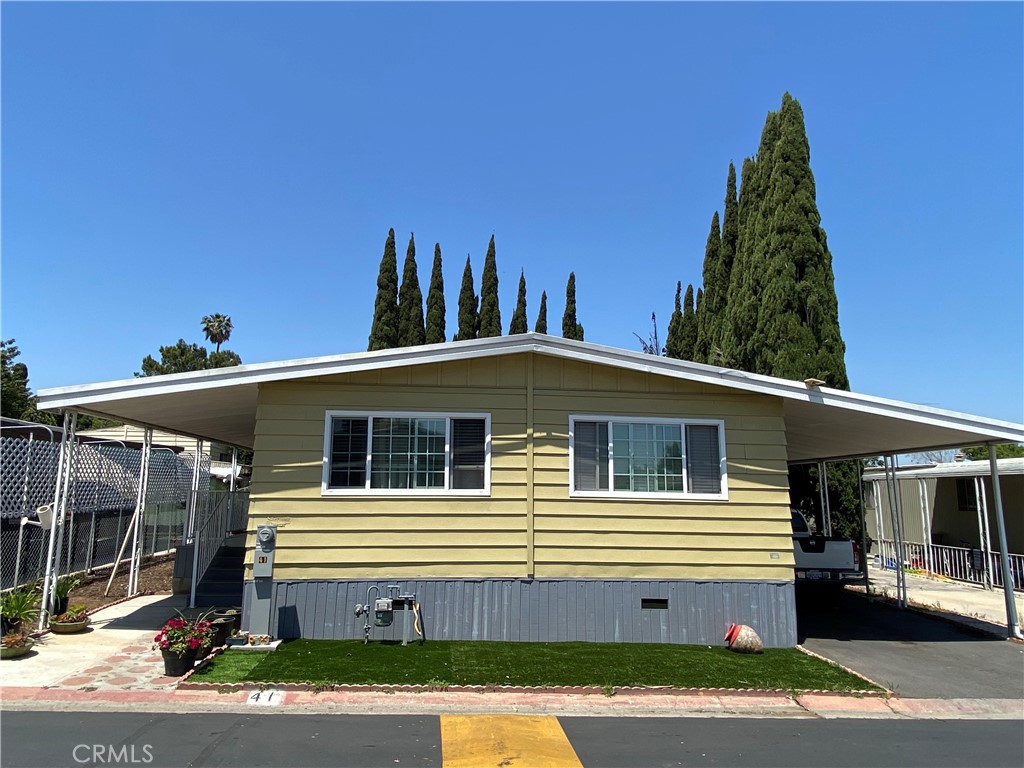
(1012, 622)
(926, 533)
(140, 512)
(863, 526)
(25, 511)
(984, 540)
(193, 498)
(895, 510)
(58, 511)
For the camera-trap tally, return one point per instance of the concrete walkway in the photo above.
(969, 604)
(113, 667)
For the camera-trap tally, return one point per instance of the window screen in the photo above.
(703, 462)
(469, 453)
(590, 456)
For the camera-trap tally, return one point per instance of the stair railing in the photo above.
(213, 527)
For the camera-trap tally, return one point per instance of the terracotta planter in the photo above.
(16, 651)
(175, 665)
(68, 627)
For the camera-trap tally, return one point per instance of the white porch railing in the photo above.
(220, 515)
(958, 563)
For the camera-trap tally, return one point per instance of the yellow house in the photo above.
(526, 487)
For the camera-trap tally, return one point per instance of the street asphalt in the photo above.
(37, 739)
(915, 655)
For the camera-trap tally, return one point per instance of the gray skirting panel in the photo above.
(543, 610)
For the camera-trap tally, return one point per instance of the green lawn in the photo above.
(438, 664)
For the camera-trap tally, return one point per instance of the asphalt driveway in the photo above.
(914, 655)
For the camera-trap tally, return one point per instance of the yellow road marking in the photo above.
(505, 741)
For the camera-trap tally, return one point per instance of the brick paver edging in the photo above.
(186, 684)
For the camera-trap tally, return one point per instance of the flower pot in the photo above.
(235, 614)
(17, 650)
(68, 627)
(222, 630)
(60, 605)
(176, 665)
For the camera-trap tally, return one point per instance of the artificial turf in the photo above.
(606, 665)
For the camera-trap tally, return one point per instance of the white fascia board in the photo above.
(70, 397)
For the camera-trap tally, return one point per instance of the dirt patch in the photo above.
(154, 576)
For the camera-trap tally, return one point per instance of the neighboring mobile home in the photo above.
(527, 487)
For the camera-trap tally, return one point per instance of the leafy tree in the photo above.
(688, 326)
(183, 357)
(571, 328)
(384, 331)
(16, 399)
(435, 330)
(542, 314)
(519, 323)
(217, 329)
(411, 331)
(674, 342)
(469, 319)
(1003, 451)
(176, 358)
(490, 313)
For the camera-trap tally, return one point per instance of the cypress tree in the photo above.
(490, 313)
(542, 315)
(798, 322)
(435, 331)
(709, 315)
(688, 326)
(673, 344)
(410, 302)
(384, 331)
(519, 322)
(571, 329)
(727, 255)
(469, 320)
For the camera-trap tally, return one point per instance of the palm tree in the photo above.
(217, 329)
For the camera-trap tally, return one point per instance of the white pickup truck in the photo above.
(823, 560)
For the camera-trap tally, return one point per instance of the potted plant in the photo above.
(235, 614)
(18, 608)
(74, 619)
(15, 644)
(180, 641)
(63, 588)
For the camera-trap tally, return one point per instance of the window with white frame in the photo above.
(406, 453)
(619, 456)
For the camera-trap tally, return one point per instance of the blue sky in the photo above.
(166, 161)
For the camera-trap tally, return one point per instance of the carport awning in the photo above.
(821, 423)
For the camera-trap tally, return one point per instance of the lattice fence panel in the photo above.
(102, 498)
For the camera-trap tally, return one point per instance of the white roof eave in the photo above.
(948, 427)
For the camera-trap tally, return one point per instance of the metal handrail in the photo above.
(214, 528)
(966, 564)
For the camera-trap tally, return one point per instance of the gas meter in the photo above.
(383, 612)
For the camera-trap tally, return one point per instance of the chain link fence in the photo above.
(102, 498)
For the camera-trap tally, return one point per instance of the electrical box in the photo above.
(263, 555)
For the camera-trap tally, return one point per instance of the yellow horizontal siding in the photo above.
(648, 570)
(479, 536)
(398, 570)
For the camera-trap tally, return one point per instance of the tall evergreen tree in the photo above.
(519, 322)
(384, 331)
(798, 322)
(411, 331)
(674, 341)
(709, 315)
(781, 316)
(435, 330)
(542, 314)
(490, 312)
(469, 319)
(688, 326)
(726, 257)
(571, 328)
